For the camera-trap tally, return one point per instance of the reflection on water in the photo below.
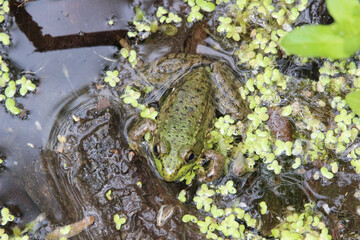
(60, 73)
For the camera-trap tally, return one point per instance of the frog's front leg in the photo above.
(215, 168)
(137, 132)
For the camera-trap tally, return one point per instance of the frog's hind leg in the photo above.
(227, 95)
(166, 71)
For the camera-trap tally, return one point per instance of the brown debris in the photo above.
(279, 125)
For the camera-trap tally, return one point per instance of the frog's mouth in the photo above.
(173, 173)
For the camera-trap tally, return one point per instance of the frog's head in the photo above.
(173, 163)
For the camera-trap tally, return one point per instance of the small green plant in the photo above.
(6, 216)
(26, 85)
(119, 221)
(305, 225)
(131, 56)
(218, 220)
(112, 77)
(131, 96)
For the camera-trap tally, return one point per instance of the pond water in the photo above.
(69, 182)
(61, 73)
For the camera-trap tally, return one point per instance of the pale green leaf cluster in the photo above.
(144, 25)
(164, 16)
(112, 77)
(223, 134)
(108, 195)
(8, 88)
(231, 30)
(263, 207)
(131, 96)
(119, 221)
(130, 56)
(225, 125)
(182, 196)
(26, 85)
(306, 225)
(7, 217)
(196, 6)
(219, 222)
(264, 88)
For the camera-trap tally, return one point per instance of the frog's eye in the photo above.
(156, 150)
(189, 157)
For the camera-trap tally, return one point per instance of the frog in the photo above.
(197, 87)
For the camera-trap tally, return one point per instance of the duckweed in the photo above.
(4, 38)
(296, 164)
(220, 221)
(226, 189)
(325, 172)
(182, 196)
(263, 207)
(283, 147)
(131, 56)
(231, 30)
(9, 89)
(119, 221)
(258, 116)
(306, 225)
(11, 106)
(6, 216)
(131, 96)
(26, 85)
(65, 230)
(286, 111)
(108, 194)
(195, 14)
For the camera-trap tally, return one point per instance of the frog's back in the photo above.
(188, 111)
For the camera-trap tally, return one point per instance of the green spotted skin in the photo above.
(184, 120)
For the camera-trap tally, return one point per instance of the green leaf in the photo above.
(321, 41)
(325, 172)
(338, 40)
(344, 12)
(23, 90)
(353, 100)
(205, 5)
(10, 105)
(139, 14)
(4, 38)
(10, 90)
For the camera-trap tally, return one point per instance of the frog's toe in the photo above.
(214, 169)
